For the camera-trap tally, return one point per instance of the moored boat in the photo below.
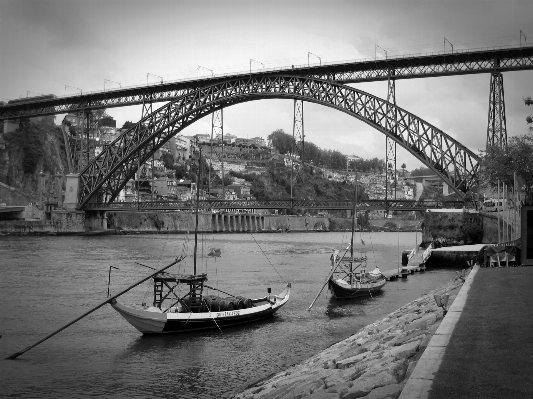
(196, 311)
(181, 303)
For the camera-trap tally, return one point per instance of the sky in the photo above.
(64, 46)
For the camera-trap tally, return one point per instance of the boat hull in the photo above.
(361, 289)
(154, 321)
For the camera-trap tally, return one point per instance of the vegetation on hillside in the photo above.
(330, 159)
(502, 165)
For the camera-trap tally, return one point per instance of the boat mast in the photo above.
(354, 216)
(197, 202)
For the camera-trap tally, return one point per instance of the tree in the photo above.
(168, 160)
(501, 164)
(421, 172)
(128, 124)
(281, 141)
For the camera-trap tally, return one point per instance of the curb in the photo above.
(419, 383)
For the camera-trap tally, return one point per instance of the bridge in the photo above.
(188, 101)
(493, 60)
(208, 205)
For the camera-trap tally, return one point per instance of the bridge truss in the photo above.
(408, 67)
(103, 179)
(209, 205)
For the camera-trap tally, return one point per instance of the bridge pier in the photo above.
(71, 191)
(95, 220)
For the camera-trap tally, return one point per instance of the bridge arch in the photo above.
(109, 172)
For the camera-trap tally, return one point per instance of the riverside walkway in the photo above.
(484, 346)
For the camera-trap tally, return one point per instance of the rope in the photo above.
(267, 257)
(210, 315)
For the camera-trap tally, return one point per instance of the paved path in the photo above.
(485, 346)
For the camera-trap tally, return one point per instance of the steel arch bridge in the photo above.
(107, 174)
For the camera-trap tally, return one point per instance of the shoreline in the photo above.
(155, 232)
(373, 363)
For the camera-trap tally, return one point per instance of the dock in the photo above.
(460, 255)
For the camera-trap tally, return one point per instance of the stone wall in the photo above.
(375, 362)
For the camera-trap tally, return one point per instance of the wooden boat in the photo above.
(355, 285)
(181, 304)
(195, 311)
(348, 277)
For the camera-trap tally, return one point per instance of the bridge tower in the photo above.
(390, 145)
(147, 109)
(298, 139)
(497, 125)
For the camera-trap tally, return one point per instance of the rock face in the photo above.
(37, 147)
(374, 363)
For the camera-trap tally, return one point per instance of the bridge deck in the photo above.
(402, 67)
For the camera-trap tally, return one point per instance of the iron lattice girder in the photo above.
(458, 63)
(497, 126)
(208, 205)
(117, 163)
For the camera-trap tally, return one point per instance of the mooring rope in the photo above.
(267, 258)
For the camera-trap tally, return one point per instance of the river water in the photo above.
(46, 282)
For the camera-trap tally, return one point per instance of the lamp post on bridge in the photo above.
(446, 40)
(201, 67)
(310, 53)
(112, 81)
(257, 62)
(157, 76)
(376, 52)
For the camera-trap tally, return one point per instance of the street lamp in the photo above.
(257, 62)
(201, 67)
(157, 76)
(77, 88)
(319, 59)
(375, 51)
(446, 40)
(112, 81)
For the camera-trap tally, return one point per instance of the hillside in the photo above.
(38, 147)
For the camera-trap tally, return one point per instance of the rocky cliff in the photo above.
(36, 147)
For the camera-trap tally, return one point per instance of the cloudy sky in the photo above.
(46, 45)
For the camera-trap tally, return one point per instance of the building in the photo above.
(202, 137)
(433, 181)
(241, 191)
(259, 142)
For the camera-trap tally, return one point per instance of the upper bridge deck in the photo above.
(499, 59)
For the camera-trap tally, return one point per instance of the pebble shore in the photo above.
(374, 363)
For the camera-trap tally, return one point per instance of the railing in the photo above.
(203, 205)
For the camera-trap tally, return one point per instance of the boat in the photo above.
(195, 311)
(348, 277)
(181, 303)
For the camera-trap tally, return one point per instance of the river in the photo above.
(46, 282)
